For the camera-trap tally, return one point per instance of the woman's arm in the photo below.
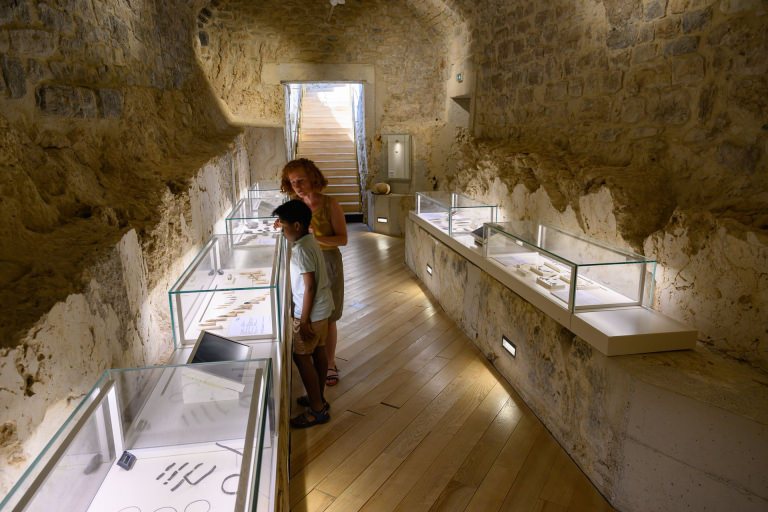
(339, 225)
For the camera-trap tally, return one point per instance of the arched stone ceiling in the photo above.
(407, 41)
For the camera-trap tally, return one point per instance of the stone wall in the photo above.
(115, 163)
(266, 153)
(406, 45)
(119, 319)
(640, 123)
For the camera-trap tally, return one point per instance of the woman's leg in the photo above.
(330, 344)
(335, 269)
(332, 377)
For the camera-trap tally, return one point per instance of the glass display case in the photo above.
(231, 288)
(245, 221)
(185, 437)
(264, 197)
(574, 271)
(459, 216)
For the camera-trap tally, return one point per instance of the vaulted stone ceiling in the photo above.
(407, 42)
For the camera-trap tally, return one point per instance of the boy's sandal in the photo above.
(333, 377)
(317, 418)
(304, 401)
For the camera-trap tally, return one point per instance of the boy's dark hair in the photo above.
(294, 211)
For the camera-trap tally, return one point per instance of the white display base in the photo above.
(384, 213)
(201, 386)
(623, 331)
(615, 331)
(140, 489)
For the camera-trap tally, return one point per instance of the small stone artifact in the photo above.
(380, 188)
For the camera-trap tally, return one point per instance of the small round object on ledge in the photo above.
(380, 188)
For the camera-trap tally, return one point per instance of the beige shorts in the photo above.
(307, 347)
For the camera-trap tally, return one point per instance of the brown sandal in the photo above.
(333, 377)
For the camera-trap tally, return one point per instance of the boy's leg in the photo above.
(309, 377)
(320, 359)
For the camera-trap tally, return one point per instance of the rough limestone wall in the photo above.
(653, 111)
(102, 111)
(238, 37)
(115, 161)
(120, 319)
(266, 153)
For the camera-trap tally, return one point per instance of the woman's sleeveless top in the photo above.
(321, 222)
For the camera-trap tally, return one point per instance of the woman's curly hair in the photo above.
(319, 182)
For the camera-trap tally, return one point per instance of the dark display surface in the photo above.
(212, 349)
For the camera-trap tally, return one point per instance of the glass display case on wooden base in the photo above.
(186, 437)
(231, 289)
(245, 221)
(459, 216)
(264, 197)
(576, 272)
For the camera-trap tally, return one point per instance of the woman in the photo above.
(303, 179)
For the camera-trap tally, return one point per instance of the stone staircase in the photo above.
(327, 136)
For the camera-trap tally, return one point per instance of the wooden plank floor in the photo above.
(420, 420)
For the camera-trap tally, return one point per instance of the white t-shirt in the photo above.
(306, 256)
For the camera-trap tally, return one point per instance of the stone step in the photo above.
(312, 109)
(332, 132)
(342, 173)
(347, 179)
(341, 112)
(344, 160)
(328, 155)
(326, 123)
(323, 137)
(351, 207)
(343, 180)
(345, 197)
(319, 142)
(342, 188)
(319, 146)
(348, 164)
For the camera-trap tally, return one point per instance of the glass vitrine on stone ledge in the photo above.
(264, 197)
(574, 271)
(231, 288)
(186, 437)
(455, 214)
(246, 220)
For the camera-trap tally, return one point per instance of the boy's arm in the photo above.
(310, 289)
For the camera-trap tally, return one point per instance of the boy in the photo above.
(312, 305)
